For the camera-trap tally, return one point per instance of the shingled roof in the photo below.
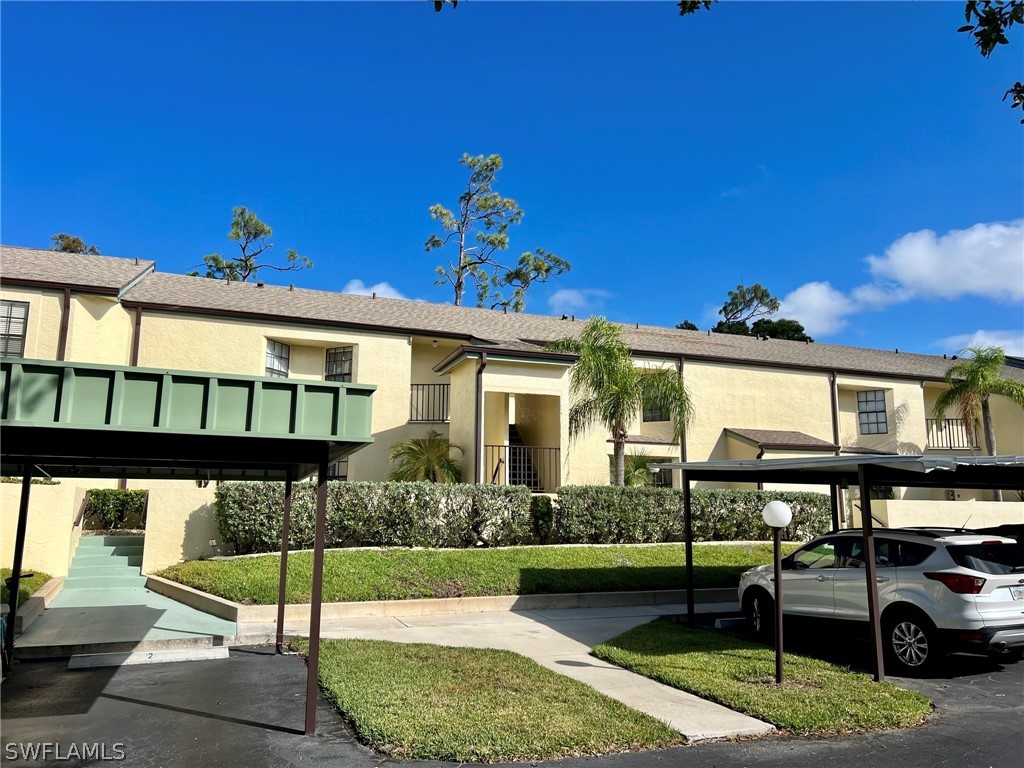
(782, 439)
(99, 274)
(284, 304)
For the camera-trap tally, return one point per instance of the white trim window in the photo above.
(278, 357)
(338, 364)
(13, 326)
(871, 418)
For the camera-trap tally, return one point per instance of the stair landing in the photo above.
(105, 607)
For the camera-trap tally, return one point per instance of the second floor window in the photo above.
(13, 322)
(654, 412)
(871, 412)
(339, 364)
(278, 355)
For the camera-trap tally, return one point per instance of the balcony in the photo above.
(950, 435)
(429, 403)
(536, 468)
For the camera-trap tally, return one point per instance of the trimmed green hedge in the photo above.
(115, 509)
(602, 514)
(35, 480)
(376, 515)
(459, 515)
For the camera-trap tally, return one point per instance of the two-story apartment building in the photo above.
(484, 378)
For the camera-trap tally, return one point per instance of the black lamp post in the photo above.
(777, 515)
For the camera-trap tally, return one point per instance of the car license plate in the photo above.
(1017, 593)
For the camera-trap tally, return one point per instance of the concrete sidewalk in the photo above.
(561, 641)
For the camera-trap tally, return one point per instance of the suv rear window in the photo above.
(996, 557)
(913, 553)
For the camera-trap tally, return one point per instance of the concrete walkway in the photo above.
(561, 641)
(107, 620)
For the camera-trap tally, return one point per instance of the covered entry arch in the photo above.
(76, 420)
(862, 471)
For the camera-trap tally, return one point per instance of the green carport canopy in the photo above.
(64, 419)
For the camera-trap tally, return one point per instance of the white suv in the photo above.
(940, 590)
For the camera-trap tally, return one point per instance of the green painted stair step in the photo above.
(104, 582)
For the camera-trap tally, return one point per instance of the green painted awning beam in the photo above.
(78, 415)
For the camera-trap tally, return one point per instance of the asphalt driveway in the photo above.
(247, 710)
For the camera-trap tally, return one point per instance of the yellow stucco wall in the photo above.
(180, 524)
(496, 421)
(44, 312)
(48, 537)
(463, 414)
(971, 514)
(749, 397)
(100, 330)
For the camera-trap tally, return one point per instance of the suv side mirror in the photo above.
(787, 564)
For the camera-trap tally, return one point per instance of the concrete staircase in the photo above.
(521, 470)
(107, 562)
(106, 607)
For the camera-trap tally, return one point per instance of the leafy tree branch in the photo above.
(253, 239)
(66, 243)
(475, 234)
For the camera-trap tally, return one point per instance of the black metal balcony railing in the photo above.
(951, 434)
(429, 402)
(536, 468)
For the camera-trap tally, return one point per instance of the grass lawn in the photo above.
(396, 574)
(27, 586)
(474, 705)
(817, 697)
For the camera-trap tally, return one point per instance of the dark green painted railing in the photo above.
(50, 393)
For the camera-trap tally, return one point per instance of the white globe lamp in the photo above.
(777, 514)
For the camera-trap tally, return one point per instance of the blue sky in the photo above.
(855, 159)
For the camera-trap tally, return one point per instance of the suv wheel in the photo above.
(759, 609)
(911, 643)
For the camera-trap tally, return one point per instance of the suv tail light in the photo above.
(960, 583)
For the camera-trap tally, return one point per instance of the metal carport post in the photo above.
(19, 551)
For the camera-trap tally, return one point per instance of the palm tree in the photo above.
(608, 389)
(637, 470)
(971, 383)
(425, 458)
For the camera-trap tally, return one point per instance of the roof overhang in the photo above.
(983, 472)
(476, 351)
(767, 443)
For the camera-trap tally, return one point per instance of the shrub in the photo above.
(115, 508)
(392, 514)
(610, 515)
(542, 518)
(35, 480)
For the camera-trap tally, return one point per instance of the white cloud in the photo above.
(879, 296)
(566, 301)
(382, 289)
(1012, 342)
(819, 307)
(985, 260)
